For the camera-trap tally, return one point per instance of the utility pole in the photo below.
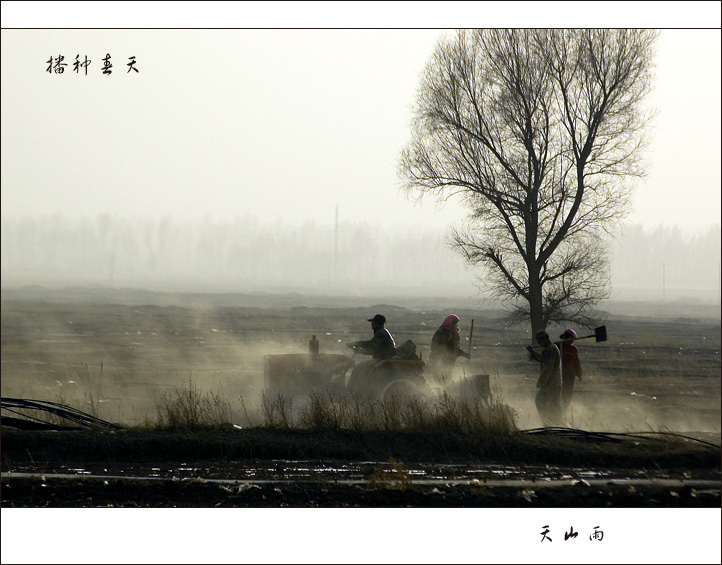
(335, 250)
(664, 281)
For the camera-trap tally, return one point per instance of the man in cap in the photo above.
(549, 395)
(381, 346)
(571, 365)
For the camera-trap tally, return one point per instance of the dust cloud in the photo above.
(115, 361)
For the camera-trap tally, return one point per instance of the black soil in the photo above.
(383, 461)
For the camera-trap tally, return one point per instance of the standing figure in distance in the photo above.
(549, 396)
(445, 349)
(313, 345)
(571, 366)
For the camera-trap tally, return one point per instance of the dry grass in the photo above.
(442, 413)
(92, 387)
(324, 411)
(395, 477)
(277, 411)
(189, 407)
(89, 403)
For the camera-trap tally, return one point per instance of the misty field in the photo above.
(127, 357)
(118, 361)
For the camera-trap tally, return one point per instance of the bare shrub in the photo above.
(248, 419)
(362, 413)
(391, 413)
(324, 411)
(501, 417)
(91, 399)
(278, 411)
(93, 388)
(189, 407)
(416, 413)
(417, 416)
(447, 414)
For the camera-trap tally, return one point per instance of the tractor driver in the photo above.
(381, 346)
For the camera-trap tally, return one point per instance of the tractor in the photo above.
(296, 375)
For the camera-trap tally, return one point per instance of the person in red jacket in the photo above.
(571, 366)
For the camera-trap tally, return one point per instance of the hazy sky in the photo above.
(284, 123)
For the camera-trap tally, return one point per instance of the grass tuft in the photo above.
(189, 407)
(395, 477)
(277, 411)
(443, 413)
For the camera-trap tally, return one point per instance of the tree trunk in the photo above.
(536, 305)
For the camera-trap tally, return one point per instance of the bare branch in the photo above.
(537, 130)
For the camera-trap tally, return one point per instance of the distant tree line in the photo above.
(242, 254)
(665, 256)
(246, 254)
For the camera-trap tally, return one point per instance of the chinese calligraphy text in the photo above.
(57, 66)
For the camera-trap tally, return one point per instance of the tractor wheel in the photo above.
(400, 389)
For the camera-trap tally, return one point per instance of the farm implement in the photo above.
(297, 375)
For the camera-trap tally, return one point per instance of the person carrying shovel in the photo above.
(570, 366)
(549, 396)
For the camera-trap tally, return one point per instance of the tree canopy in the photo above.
(538, 131)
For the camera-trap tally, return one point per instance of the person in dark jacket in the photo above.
(445, 349)
(381, 346)
(313, 345)
(549, 396)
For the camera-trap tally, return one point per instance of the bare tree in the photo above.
(538, 131)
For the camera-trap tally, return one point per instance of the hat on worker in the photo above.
(569, 334)
(379, 319)
(541, 334)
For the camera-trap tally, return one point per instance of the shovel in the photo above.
(600, 334)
